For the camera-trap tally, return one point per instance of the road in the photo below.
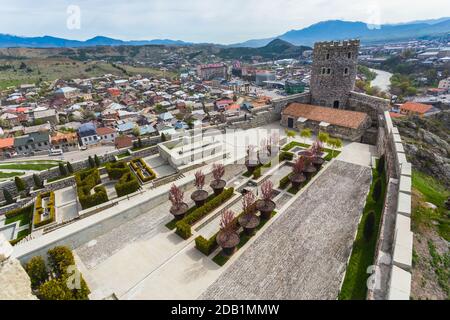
(382, 80)
(72, 156)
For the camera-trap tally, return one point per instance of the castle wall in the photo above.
(373, 106)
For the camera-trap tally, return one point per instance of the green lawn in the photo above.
(38, 166)
(363, 252)
(123, 155)
(24, 218)
(331, 153)
(5, 175)
(433, 191)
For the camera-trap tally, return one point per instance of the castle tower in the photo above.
(333, 73)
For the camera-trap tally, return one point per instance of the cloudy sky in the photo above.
(219, 21)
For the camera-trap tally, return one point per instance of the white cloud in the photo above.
(220, 21)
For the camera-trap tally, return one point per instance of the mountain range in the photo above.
(322, 31)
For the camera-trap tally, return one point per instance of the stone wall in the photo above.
(281, 103)
(371, 105)
(393, 259)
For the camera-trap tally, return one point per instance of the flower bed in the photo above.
(39, 210)
(87, 180)
(184, 225)
(139, 164)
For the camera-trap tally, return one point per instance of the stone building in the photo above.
(334, 72)
(349, 125)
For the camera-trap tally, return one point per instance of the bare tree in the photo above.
(199, 180)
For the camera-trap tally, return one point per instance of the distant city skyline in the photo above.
(212, 21)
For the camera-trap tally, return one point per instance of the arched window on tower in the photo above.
(328, 71)
(328, 56)
(345, 71)
(349, 55)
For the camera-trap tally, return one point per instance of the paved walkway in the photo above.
(303, 253)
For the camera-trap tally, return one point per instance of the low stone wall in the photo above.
(394, 248)
(371, 105)
(281, 103)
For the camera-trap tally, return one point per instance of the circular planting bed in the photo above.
(266, 208)
(199, 197)
(228, 242)
(180, 212)
(218, 186)
(249, 222)
(297, 180)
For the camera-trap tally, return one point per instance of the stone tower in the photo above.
(333, 73)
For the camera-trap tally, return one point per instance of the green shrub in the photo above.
(184, 225)
(55, 289)
(37, 181)
(97, 161)
(369, 225)
(377, 190)
(59, 258)
(285, 156)
(8, 197)
(206, 246)
(116, 170)
(20, 184)
(139, 171)
(69, 167)
(39, 210)
(19, 211)
(86, 180)
(257, 173)
(62, 169)
(127, 184)
(380, 166)
(37, 271)
(284, 182)
(91, 162)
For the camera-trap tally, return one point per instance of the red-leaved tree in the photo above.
(299, 165)
(199, 179)
(248, 203)
(267, 190)
(227, 223)
(218, 171)
(176, 196)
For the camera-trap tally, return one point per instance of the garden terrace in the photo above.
(44, 209)
(87, 180)
(143, 171)
(22, 215)
(321, 223)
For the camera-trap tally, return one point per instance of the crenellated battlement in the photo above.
(354, 43)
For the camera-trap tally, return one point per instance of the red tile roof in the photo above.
(415, 107)
(105, 130)
(123, 142)
(338, 117)
(6, 143)
(396, 115)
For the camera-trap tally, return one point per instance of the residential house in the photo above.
(414, 108)
(87, 134)
(10, 118)
(125, 127)
(48, 115)
(107, 135)
(123, 142)
(67, 92)
(6, 147)
(33, 142)
(65, 141)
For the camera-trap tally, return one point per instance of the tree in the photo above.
(176, 196)
(163, 137)
(37, 181)
(62, 169)
(334, 143)
(377, 190)
(91, 162)
(37, 271)
(97, 161)
(199, 179)
(55, 289)
(8, 197)
(136, 131)
(20, 184)
(290, 133)
(369, 226)
(139, 143)
(323, 137)
(305, 133)
(69, 167)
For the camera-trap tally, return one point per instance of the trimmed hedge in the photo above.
(284, 182)
(116, 170)
(127, 184)
(39, 210)
(184, 225)
(285, 156)
(257, 173)
(18, 211)
(139, 171)
(86, 180)
(206, 246)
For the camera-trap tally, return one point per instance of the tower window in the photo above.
(328, 56)
(323, 70)
(346, 71)
(349, 55)
(328, 71)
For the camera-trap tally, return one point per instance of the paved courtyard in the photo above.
(303, 253)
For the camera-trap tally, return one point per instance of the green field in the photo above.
(6, 175)
(28, 166)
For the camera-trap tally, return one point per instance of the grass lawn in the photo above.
(220, 259)
(24, 218)
(331, 153)
(5, 175)
(122, 155)
(28, 166)
(363, 252)
(23, 233)
(432, 191)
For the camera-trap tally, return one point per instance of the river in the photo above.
(382, 80)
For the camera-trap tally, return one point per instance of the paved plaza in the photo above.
(303, 254)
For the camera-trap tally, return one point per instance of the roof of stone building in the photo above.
(416, 107)
(338, 117)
